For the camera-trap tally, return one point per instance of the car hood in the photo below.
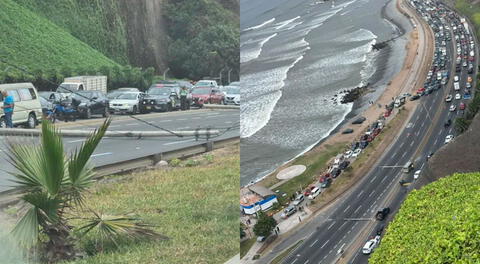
(200, 95)
(123, 101)
(157, 96)
(236, 96)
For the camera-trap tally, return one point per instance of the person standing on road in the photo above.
(183, 98)
(8, 104)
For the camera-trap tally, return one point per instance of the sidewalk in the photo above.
(284, 225)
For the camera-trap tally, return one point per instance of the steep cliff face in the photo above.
(146, 35)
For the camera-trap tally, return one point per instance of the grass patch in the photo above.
(196, 207)
(316, 163)
(246, 245)
(285, 253)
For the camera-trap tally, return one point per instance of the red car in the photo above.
(462, 106)
(207, 95)
(420, 90)
(387, 113)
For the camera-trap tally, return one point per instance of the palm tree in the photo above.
(53, 183)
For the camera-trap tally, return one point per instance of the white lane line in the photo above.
(182, 119)
(411, 144)
(394, 153)
(418, 116)
(384, 178)
(404, 153)
(114, 125)
(440, 132)
(178, 142)
(165, 121)
(294, 261)
(324, 244)
(130, 124)
(314, 243)
(435, 142)
(371, 193)
(356, 210)
(422, 124)
(101, 154)
(401, 145)
(360, 194)
(196, 117)
(330, 226)
(450, 131)
(342, 225)
(306, 262)
(373, 179)
(348, 207)
(75, 141)
(228, 122)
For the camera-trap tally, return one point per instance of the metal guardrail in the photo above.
(9, 197)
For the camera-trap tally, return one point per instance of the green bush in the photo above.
(436, 224)
(175, 162)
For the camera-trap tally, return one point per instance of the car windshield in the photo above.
(233, 91)
(130, 96)
(113, 95)
(159, 91)
(201, 91)
(67, 88)
(204, 84)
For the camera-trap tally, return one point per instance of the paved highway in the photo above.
(112, 150)
(350, 223)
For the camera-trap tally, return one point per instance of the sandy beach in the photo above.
(415, 67)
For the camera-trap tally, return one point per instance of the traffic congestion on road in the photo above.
(353, 229)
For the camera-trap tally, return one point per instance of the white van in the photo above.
(27, 110)
(408, 167)
(314, 193)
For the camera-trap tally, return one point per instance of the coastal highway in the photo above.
(351, 223)
(112, 150)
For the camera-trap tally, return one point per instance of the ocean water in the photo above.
(295, 56)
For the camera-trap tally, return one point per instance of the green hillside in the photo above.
(35, 43)
(437, 224)
(97, 23)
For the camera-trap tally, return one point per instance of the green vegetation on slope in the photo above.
(196, 207)
(97, 23)
(437, 224)
(205, 38)
(34, 43)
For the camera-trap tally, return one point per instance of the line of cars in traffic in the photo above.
(162, 96)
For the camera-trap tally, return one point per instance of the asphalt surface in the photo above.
(353, 219)
(112, 150)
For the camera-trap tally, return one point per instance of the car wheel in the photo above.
(31, 121)
(3, 124)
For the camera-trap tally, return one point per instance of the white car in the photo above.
(458, 96)
(448, 139)
(314, 193)
(232, 95)
(455, 79)
(448, 98)
(468, 85)
(299, 199)
(416, 174)
(348, 154)
(126, 103)
(356, 152)
(371, 245)
(453, 108)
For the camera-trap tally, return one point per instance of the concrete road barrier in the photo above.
(218, 106)
(86, 133)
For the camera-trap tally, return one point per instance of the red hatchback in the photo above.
(207, 95)
(462, 106)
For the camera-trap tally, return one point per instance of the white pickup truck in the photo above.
(83, 83)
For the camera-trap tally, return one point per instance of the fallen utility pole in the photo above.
(86, 133)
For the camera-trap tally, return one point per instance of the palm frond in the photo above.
(26, 159)
(47, 206)
(80, 174)
(112, 227)
(27, 229)
(52, 159)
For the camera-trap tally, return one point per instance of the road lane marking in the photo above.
(294, 261)
(439, 132)
(228, 122)
(330, 226)
(373, 179)
(356, 210)
(306, 261)
(75, 141)
(196, 117)
(165, 121)
(314, 243)
(371, 193)
(324, 244)
(404, 153)
(435, 142)
(179, 142)
(423, 123)
(411, 144)
(101, 154)
(182, 119)
(342, 225)
(360, 194)
(346, 209)
(401, 145)
(384, 178)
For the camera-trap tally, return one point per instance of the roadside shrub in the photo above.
(208, 158)
(175, 162)
(191, 163)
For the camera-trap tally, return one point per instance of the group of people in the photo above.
(8, 105)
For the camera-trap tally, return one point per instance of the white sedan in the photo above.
(448, 98)
(453, 108)
(371, 245)
(356, 152)
(416, 174)
(455, 79)
(458, 96)
(448, 139)
(348, 154)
